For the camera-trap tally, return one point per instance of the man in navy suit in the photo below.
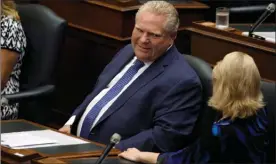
(153, 106)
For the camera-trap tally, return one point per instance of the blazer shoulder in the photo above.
(128, 47)
(122, 53)
(184, 70)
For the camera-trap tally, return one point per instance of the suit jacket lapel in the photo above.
(152, 72)
(117, 65)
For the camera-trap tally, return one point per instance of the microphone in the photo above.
(115, 139)
(269, 10)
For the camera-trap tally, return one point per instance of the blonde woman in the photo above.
(239, 134)
(13, 44)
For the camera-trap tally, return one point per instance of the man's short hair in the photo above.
(162, 8)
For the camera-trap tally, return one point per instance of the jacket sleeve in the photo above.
(195, 153)
(173, 120)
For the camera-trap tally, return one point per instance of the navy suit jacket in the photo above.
(156, 112)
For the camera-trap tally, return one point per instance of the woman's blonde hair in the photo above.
(8, 8)
(236, 86)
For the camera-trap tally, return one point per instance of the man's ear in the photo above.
(173, 35)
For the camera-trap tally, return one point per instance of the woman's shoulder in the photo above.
(262, 113)
(257, 123)
(12, 34)
(11, 23)
(9, 19)
(259, 120)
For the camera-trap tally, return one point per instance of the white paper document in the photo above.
(37, 138)
(269, 36)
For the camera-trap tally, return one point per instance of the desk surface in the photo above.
(261, 28)
(108, 160)
(135, 4)
(211, 45)
(18, 126)
(82, 150)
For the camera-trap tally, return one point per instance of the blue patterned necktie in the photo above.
(113, 92)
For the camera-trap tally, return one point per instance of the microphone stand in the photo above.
(252, 29)
(270, 9)
(115, 139)
(256, 36)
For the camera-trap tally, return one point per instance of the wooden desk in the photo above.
(97, 30)
(108, 160)
(212, 45)
(90, 149)
(115, 19)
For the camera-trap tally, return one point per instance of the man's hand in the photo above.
(135, 155)
(65, 129)
(131, 154)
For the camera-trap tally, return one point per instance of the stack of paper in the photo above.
(38, 138)
(22, 139)
(269, 36)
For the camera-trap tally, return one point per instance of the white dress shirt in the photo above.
(104, 91)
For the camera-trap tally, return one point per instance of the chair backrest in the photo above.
(269, 93)
(45, 32)
(207, 115)
(45, 35)
(204, 71)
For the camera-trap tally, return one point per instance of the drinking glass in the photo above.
(222, 17)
